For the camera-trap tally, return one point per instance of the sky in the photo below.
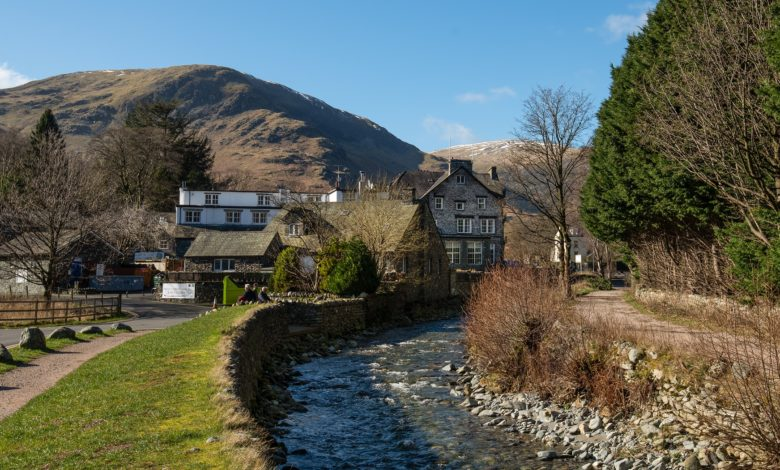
(434, 73)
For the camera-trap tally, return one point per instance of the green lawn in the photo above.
(23, 356)
(144, 404)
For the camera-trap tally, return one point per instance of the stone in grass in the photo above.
(91, 330)
(121, 327)
(32, 338)
(62, 332)
(5, 355)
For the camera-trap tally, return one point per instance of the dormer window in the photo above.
(294, 230)
(460, 179)
(264, 200)
(212, 199)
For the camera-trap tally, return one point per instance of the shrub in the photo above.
(286, 268)
(347, 268)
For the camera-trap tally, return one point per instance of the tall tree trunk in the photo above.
(565, 258)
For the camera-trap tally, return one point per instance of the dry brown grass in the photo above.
(522, 331)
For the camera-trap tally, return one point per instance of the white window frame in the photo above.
(481, 202)
(438, 202)
(460, 205)
(452, 247)
(191, 216)
(294, 230)
(312, 198)
(474, 253)
(464, 225)
(487, 225)
(460, 179)
(224, 265)
(260, 217)
(211, 199)
(164, 244)
(264, 200)
(230, 217)
(493, 253)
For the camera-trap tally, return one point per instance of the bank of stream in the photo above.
(388, 403)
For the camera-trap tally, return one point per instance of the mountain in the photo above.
(483, 154)
(258, 129)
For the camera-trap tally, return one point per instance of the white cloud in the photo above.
(491, 95)
(448, 131)
(619, 25)
(10, 78)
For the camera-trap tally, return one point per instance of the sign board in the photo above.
(178, 290)
(578, 259)
(149, 256)
(100, 269)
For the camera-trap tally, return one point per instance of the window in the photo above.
(474, 252)
(487, 225)
(232, 217)
(481, 201)
(438, 202)
(460, 179)
(460, 205)
(164, 244)
(493, 258)
(464, 225)
(264, 200)
(260, 217)
(223, 265)
(453, 251)
(191, 217)
(212, 199)
(294, 230)
(313, 198)
(404, 264)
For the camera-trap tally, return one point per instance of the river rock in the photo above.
(448, 368)
(740, 370)
(594, 424)
(649, 429)
(692, 463)
(91, 330)
(5, 355)
(407, 444)
(634, 355)
(62, 332)
(121, 327)
(32, 338)
(546, 455)
(623, 464)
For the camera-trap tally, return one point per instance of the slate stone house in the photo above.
(227, 252)
(467, 207)
(405, 233)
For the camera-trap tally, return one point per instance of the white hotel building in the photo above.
(240, 210)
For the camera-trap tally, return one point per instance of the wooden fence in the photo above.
(59, 310)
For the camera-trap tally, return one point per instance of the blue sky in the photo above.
(431, 72)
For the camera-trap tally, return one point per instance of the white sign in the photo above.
(100, 269)
(178, 290)
(578, 259)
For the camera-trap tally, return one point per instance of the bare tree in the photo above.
(548, 161)
(707, 114)
(46, 208)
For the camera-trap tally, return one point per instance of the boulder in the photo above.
(32, 338)
(91, 330)
(62, 332)
(5, 355)
(546, 455)
(121, 327)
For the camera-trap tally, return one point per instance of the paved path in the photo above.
(150, 315)
(24, 383)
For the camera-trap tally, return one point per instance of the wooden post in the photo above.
(67, 305)
(27, 291)
(94, 309)
(35, 319)
(119, 305)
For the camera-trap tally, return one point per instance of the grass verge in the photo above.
(23, 356)
(144, 404)
(673, 316)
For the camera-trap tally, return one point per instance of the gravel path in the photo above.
(24, 383)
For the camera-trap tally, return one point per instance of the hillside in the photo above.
(261, 129)
(483, 154)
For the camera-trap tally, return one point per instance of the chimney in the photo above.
(455, 164)
(493, 173)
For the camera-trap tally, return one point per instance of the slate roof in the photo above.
(209, 244)
(424, 181)
(35, 243)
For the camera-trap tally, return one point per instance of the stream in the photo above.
(387, 404)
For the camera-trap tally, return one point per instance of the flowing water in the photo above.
(386, 404)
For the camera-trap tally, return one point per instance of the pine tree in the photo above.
(46, 133)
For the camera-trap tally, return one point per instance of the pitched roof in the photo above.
(394, 216)
(36, 243)
(234, 244)
(424, 181)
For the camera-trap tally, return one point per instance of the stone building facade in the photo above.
(467, 208)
